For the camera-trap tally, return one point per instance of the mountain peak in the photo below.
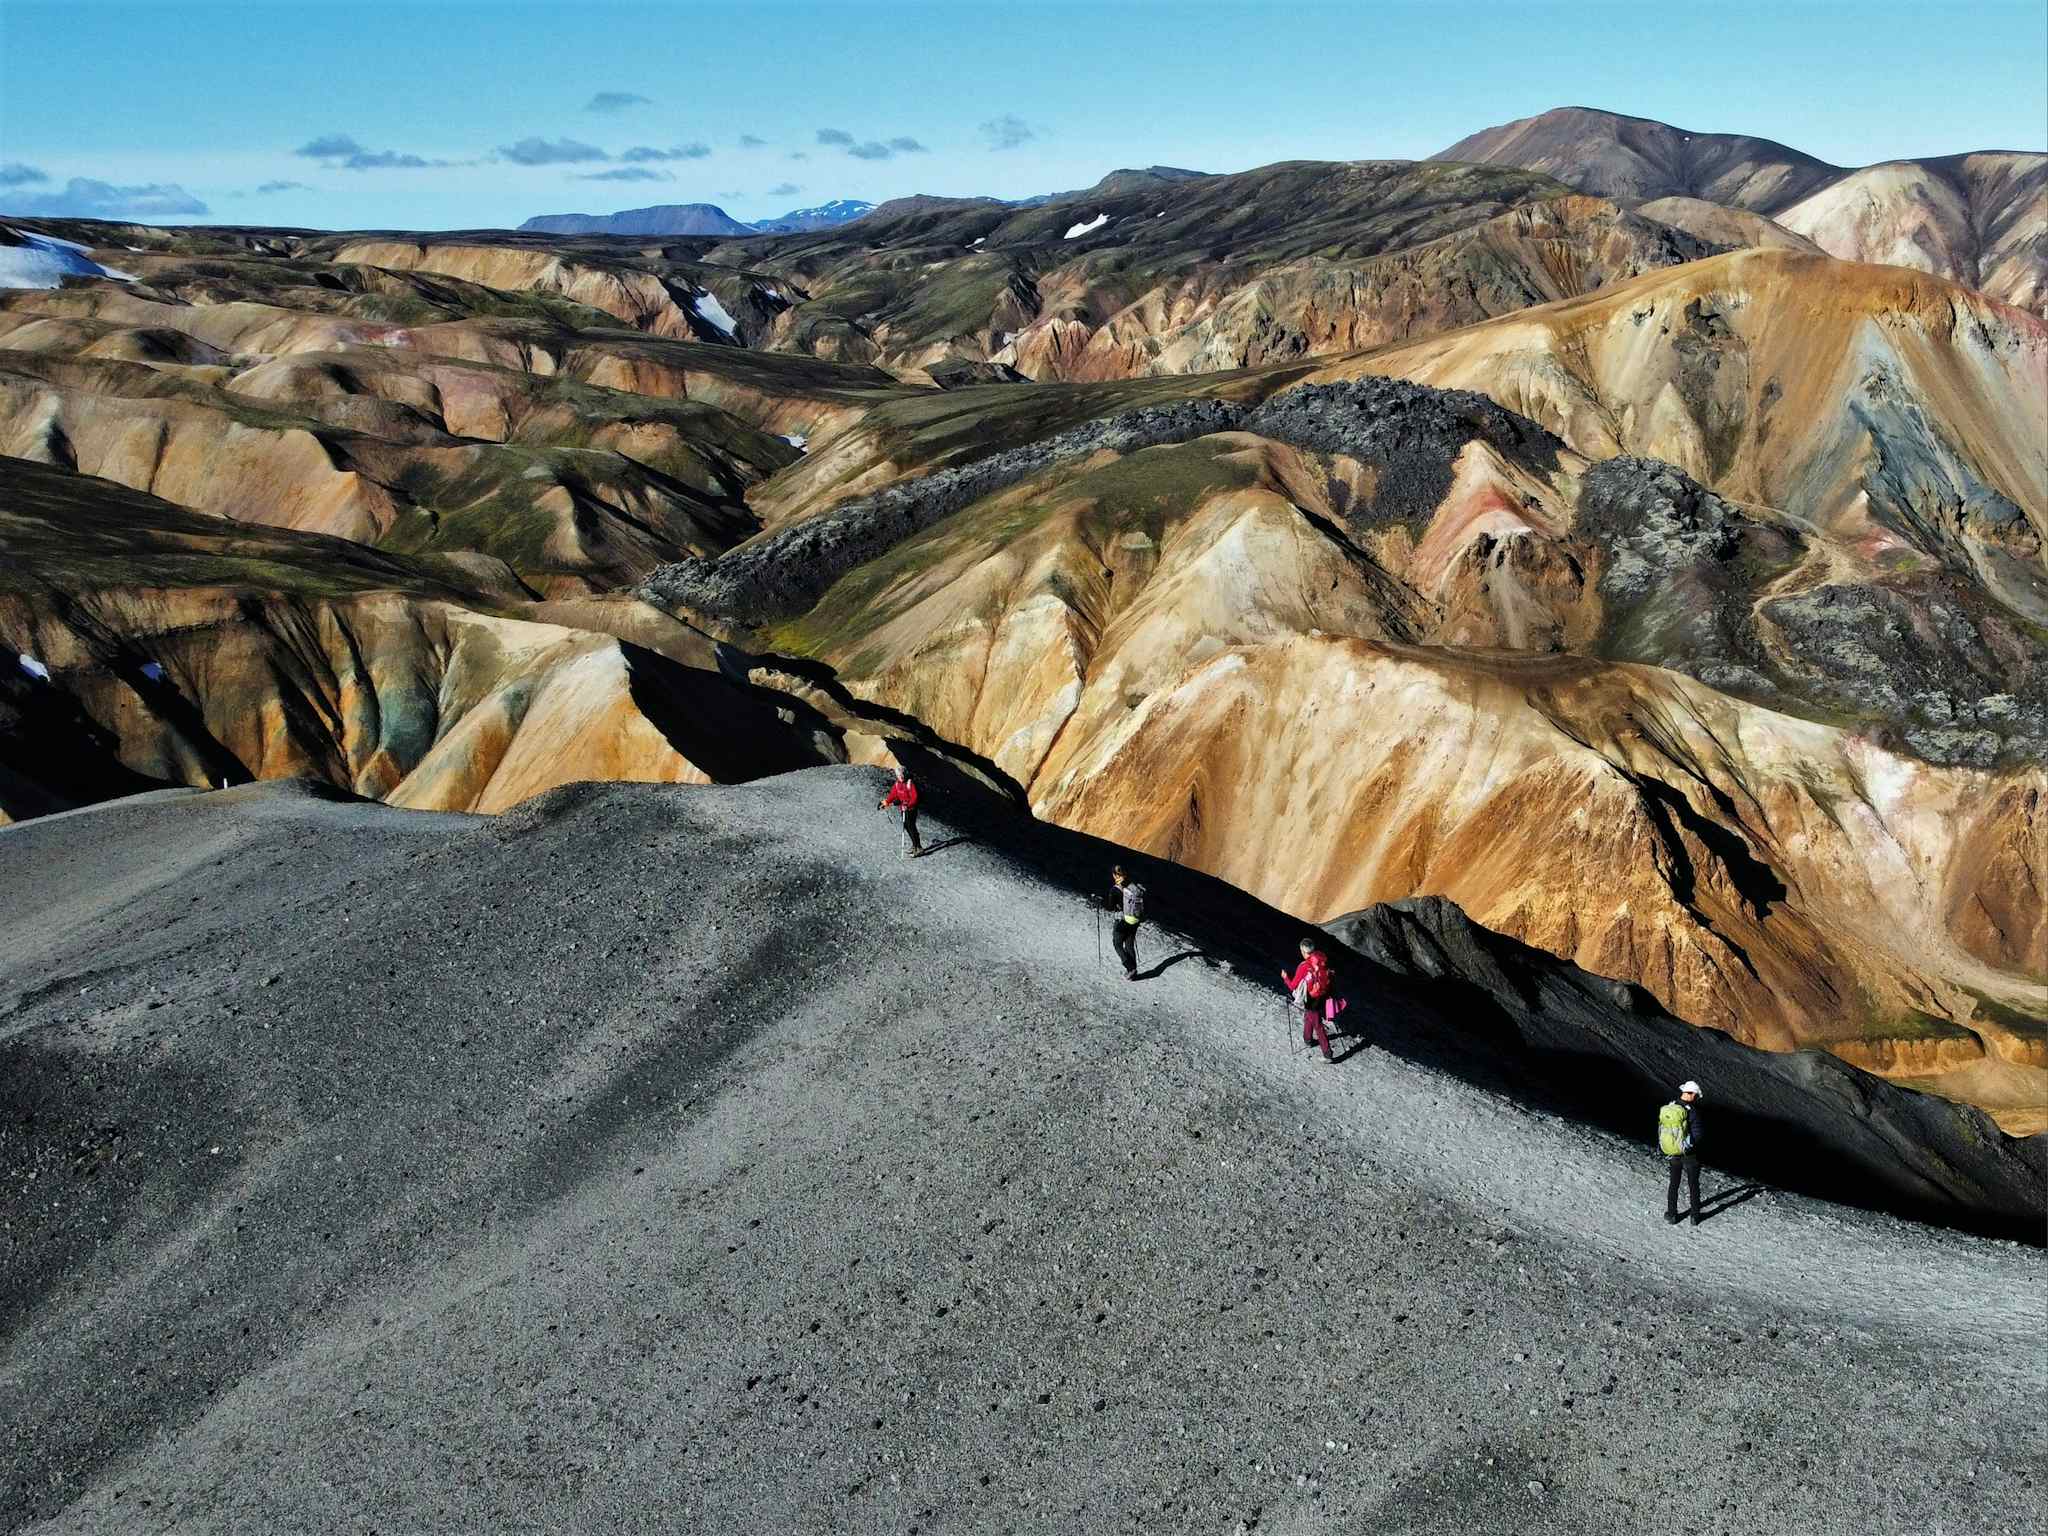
(1615, 155)
(839, 210)
(1132, 180)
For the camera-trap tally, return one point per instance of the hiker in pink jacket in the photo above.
(1310, 985)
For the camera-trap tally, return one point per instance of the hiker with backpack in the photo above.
(1678, 1138)
(1127, 900)
(904, 793)
(1309, 984)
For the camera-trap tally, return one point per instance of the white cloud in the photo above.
(1007, 131)
(85, 198)
(342, 151)
(645, 152)
(538, 151)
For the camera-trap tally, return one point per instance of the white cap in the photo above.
(1688, 1087)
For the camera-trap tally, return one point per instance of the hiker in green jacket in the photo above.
(1678, 1138)
(1127, 900)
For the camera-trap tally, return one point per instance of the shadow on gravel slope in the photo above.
(1606, 1053)
(1437, 989)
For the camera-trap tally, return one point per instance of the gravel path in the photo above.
(687, 1160)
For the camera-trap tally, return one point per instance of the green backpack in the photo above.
(1672, 1139)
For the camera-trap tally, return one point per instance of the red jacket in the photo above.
(1315, 970)
(903, 793)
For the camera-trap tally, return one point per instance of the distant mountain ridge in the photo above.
(695, 219)
(661, 219)
(840, 210)
(710, 219)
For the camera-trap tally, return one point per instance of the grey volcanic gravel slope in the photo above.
(686, 1160)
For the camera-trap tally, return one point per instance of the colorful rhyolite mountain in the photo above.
(1692, 623)
(1981, 219)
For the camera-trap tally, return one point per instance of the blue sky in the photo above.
(450, 115)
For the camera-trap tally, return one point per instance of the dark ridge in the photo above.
(1409, 432)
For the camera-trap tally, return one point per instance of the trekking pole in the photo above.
(1098, 934)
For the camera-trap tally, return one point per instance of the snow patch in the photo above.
(1078, 230)
(977, 239)
(69, 245)
(708, 308)
(795, 440)
(153, 671)
(35, 668)
(43, 261)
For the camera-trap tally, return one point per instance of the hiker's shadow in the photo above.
(1727, 1199)
(951, 842)
(1168, 963)
(1345, 1045)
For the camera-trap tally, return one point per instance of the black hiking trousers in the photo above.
(1687, 1163)
(911, 842)
(1126, 938)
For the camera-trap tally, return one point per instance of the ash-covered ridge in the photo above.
(1408, 432)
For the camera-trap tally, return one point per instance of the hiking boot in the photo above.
(1130, 975)
(1671, 1218)
(1695, 1218)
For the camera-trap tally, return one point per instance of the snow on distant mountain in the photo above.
(695, 219)
(841, 210)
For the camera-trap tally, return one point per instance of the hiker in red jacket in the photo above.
(1310, 986)
(904, 793)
